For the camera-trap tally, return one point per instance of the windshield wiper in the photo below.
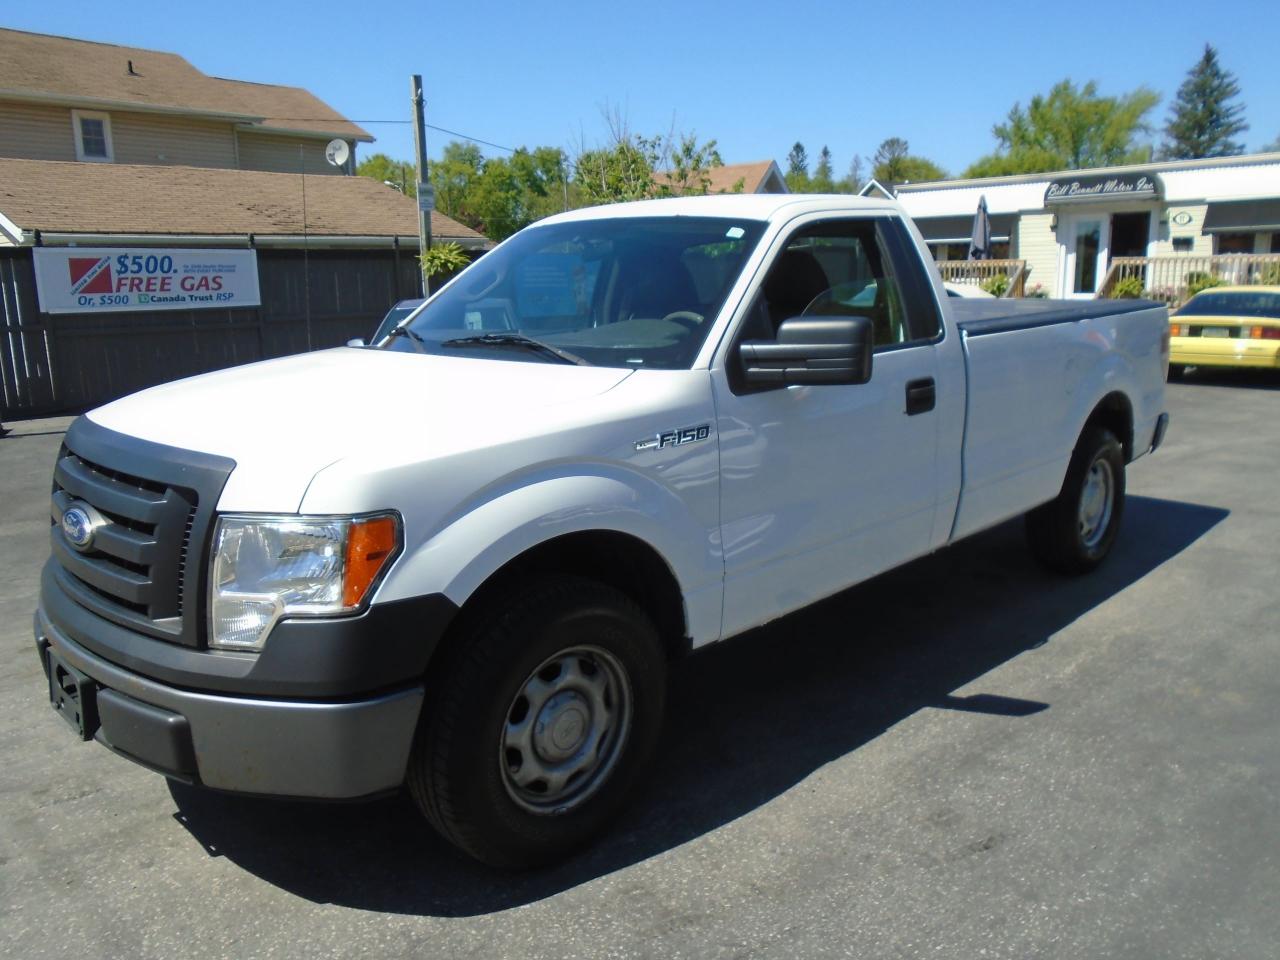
(516, 340)
(419, 344)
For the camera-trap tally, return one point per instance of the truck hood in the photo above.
(284, 420)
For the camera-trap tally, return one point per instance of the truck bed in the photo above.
(1031, 389)
(978, 317)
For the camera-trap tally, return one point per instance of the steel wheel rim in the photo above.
(564, 730)
(1096, 503)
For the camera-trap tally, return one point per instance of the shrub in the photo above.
(1036, 291)
(1270, 276)
(997, 286)
(1199, 280)
(443, 258)
(1127, 288)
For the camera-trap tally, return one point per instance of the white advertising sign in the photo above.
(107, 279)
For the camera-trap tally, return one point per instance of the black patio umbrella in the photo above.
(980, 242)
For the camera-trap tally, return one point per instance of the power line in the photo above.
(452, 133)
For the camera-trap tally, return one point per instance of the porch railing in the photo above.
(1174, 279)
(979, 272)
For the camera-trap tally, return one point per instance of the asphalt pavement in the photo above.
(964, 758)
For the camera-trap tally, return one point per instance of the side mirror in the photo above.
(811, 350)
(356, 342)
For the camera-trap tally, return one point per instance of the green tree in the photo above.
(1070, 128)
(797, 175)
(399, 173)
(500, 195)
(623, 171)
(687, 164)
(1203, 120)
(1272, 147)
(822, 181)
(633, 167)
(852, 182)
(454, 176)
(893, 163)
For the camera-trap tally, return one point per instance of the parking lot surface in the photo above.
(964, 758)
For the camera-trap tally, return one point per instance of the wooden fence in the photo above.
(978, 272)
(61, 363)
(1168, 278)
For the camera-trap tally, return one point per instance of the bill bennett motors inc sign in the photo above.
(102, 280)
(1130, 186)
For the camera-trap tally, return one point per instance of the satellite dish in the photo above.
(337, 152)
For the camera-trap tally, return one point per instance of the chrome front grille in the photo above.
(141, 569)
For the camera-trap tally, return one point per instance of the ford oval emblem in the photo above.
(78, 527)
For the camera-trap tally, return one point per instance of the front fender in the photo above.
(503, 522)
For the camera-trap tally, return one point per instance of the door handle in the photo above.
(922, 396)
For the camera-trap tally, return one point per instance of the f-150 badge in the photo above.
(675, 438)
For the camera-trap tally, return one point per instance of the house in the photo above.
(760, 177)
(117, 162)
(1081, 231)
(67, 99)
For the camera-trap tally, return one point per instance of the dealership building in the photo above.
(1069, 226)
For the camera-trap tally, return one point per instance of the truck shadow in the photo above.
(748, 720)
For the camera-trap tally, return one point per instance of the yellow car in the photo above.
(1226, 327)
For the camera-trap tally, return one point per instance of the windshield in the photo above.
(393, 317)
(639, 292)
(1236, 303)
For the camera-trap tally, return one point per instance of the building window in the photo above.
(1183, 244)
(93, 136)
(1235, 242)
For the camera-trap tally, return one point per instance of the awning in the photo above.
(1242, 215)
(960, 229)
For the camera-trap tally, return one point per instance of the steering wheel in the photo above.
(686, 318)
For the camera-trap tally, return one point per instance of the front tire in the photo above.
(541, 724)
(1074, 532)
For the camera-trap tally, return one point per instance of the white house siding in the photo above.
(1201, 242)
(283, 154)
(150, 139)
(1037, 243)
(30, 131)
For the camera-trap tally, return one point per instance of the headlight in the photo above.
(265, 568)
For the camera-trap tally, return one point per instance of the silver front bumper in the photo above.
(289, 748)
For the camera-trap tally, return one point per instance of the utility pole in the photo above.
(426, 196)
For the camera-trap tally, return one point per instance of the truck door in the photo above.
(825, 485)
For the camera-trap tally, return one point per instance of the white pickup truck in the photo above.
(463, 557)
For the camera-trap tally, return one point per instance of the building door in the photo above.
(1084, 247)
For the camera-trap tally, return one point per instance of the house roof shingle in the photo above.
(102, 198)
(42, 66)
(724, 178)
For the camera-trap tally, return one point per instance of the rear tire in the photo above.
(541, 724)
(1074, 532)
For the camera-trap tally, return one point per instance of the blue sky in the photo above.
(755, 76)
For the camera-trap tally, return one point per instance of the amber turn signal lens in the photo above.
(370, 544)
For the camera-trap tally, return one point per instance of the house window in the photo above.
(93, 136)
(1235, 243)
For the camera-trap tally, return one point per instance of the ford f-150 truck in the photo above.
(461, 558)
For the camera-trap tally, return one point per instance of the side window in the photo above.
(843, 268)
(93, 135)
